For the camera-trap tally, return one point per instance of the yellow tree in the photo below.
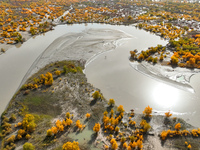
(111, 102)
(168, 114)
(96, 127)
(68, 122)
(120, 109)
(87, 115)
(96, 95)
(177, 126)
(147, 111)
(49, 132)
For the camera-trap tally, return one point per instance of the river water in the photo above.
(111, 72)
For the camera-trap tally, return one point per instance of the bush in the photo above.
(28, 123)
(11, 139)
(96, 95)
(111, 102)
(65, 69)
(49, 132)
(28, 146)
(155, 60)
(3, 50)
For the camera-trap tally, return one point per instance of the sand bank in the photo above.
(83, 46)
(176, 77)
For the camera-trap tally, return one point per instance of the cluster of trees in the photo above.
(177, 132)
(48, 78)
(26, 127)
(186, 53)
(189, 11)
(112, 124)
(92, 14)
(166, 30)
(35, 18)
(148, 55)
(61, 126)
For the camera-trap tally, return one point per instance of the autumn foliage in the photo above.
(71, 146)
(147, 111)
(168, 114)
(97, 127)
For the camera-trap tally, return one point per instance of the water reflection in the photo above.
(166, 96)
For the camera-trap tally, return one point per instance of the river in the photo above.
(111, 72)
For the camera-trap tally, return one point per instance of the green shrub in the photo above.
(96, 95)
(28, 146)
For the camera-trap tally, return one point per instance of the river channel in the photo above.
(111, 72)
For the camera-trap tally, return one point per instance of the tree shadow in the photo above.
(145, 136)
(75, 129)
(78, 131)
(86, 120)
(92, 138)
(93, 102)
(148, 119)
(108, 109)
(163, 142)
(167, 121)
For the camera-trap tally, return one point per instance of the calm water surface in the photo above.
(112, 74)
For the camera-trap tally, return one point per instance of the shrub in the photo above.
(177, 126)
(120, 109)
(68, 115)
(111, 102)
(28, 123)
(28, 136)
(167, 114)
(57, 72)
(3, 50)
(28, 146)
(11, 139)
(96, 95)
(65, 69)
(97, 127)
(49, 132)
(13, 117)
(147, 111)
(87, 115)
(155, 60)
